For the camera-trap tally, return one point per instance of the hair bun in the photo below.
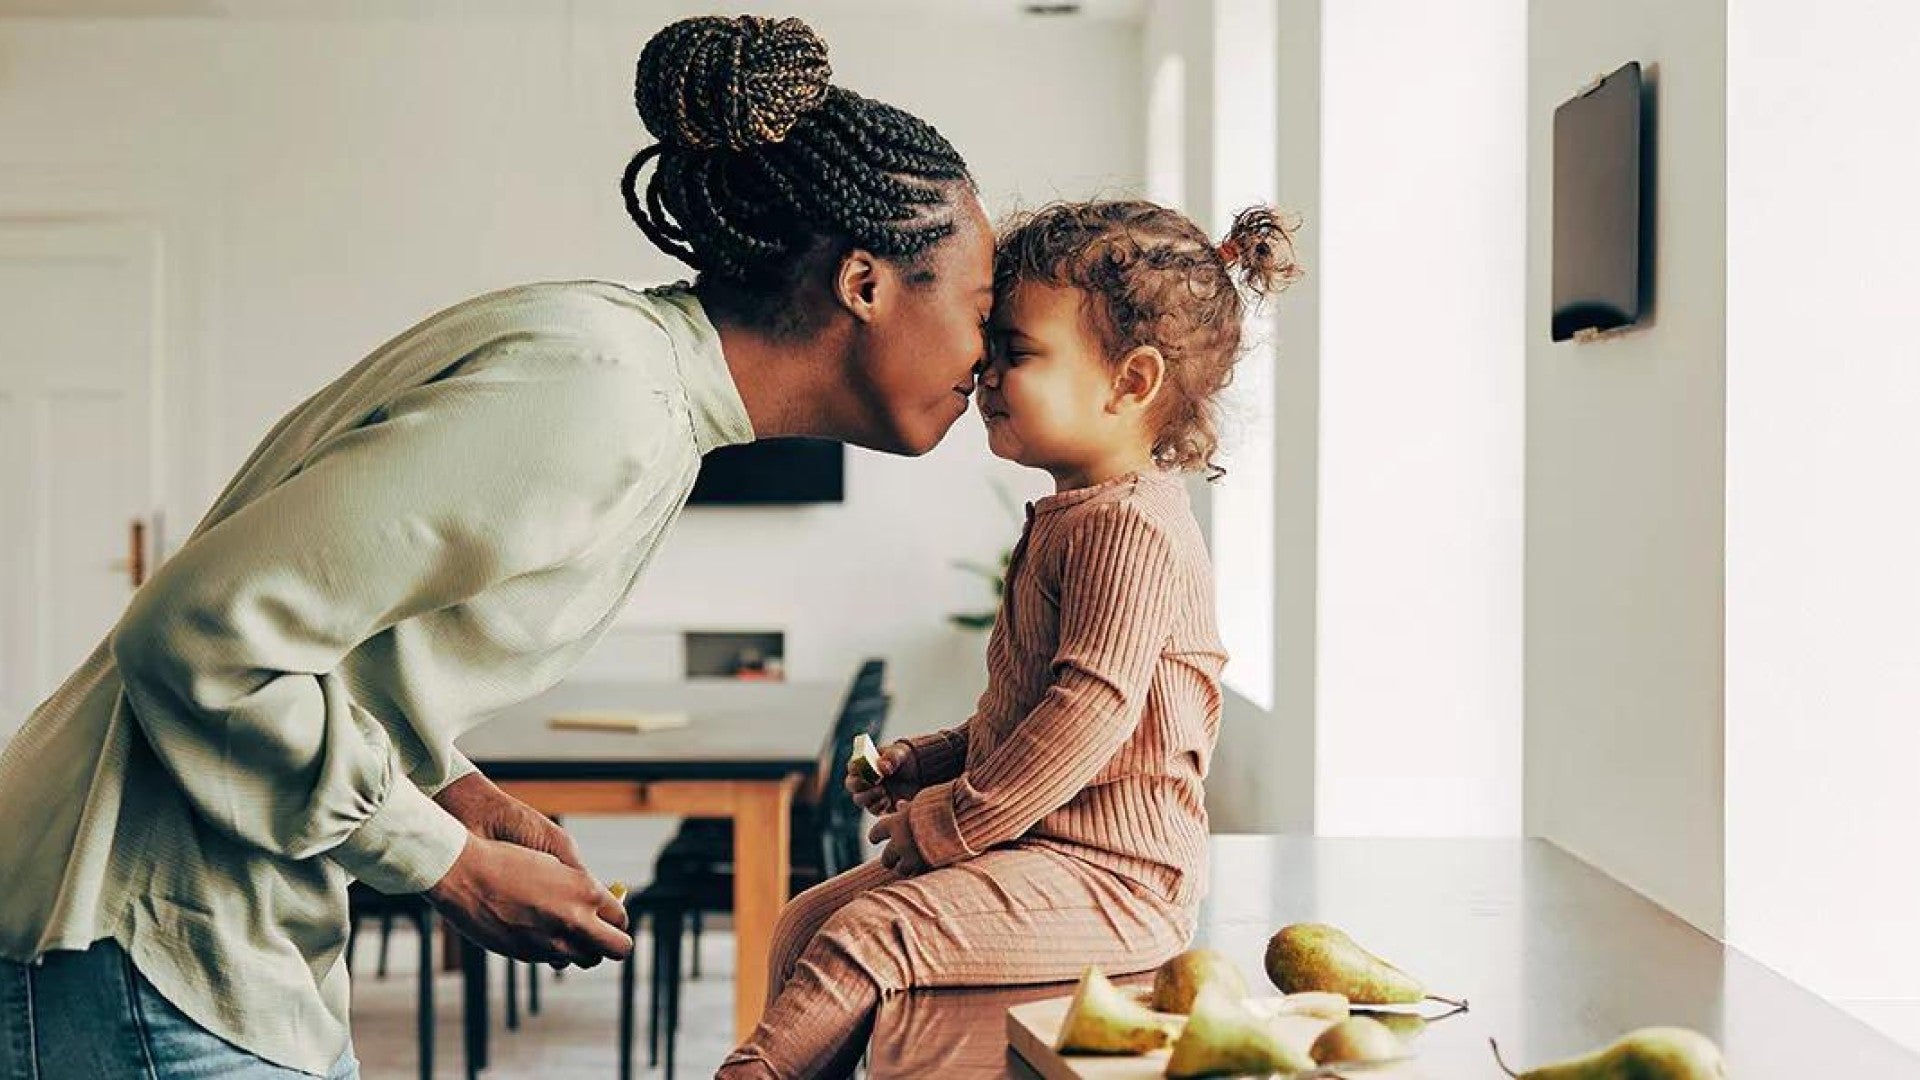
(1259, 248)
(734, 82)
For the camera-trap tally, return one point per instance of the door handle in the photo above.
(135, 564)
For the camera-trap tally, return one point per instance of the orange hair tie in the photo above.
(1230, 251)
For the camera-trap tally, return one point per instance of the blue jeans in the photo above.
(91, 1016)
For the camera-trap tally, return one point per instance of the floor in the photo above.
(574, 1035)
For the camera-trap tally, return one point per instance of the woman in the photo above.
(445, 530)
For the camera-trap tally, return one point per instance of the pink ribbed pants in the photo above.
(1013, 915)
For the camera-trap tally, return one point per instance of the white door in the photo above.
(79, 429)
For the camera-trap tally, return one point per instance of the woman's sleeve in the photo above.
(228, 654)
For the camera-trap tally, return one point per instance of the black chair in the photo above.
(683, 888)
(366, 903)
(703, 843)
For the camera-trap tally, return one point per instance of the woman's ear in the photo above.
(857, 286)
(1137, 379)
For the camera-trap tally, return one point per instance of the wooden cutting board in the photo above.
(1033, 1028)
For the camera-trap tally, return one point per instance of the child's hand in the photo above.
(900, 854)
(896, 780)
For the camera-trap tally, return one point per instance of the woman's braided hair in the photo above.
(765, 172)
(1152, 277)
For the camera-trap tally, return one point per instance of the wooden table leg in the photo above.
(762, 849)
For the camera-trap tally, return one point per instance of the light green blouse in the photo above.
(443, 531)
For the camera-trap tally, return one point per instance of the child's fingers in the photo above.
(894, 758)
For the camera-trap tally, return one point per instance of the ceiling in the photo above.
(1108, 10)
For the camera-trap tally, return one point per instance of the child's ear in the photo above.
(1137, 379)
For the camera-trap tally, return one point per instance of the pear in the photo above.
(1180, 979)
(1406, 1026)
(1224, 1038)
(1356, 1038)
(1105, 1020)
(1655, 1053)
(1320, 1006)
(1315, 956)
(866, 758)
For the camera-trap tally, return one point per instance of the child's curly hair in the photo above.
(1156, 279)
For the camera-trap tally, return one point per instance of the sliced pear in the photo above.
(1356, 1038)
(866, 758)
(1318, 1004)
(1103, 1019)
(1224, 1038)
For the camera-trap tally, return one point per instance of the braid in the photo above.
(763, 167)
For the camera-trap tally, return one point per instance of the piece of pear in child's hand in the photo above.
(866, 759)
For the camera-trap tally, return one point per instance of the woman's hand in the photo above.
(493, 814)
(530, 906)
(899, 780)
(899, 853)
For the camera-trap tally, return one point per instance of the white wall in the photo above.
(1822, 522)
(1624, 488)
(1422, 144)
(327, 180)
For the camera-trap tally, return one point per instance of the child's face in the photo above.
(1047, 392)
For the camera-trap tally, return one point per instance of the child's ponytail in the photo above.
(1258, 250)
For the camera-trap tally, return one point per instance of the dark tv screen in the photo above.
(1600, 247)
(772, 472)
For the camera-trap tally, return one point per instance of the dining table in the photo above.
(730, 749)
(1553, 957)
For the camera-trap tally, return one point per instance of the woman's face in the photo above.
(919, 354)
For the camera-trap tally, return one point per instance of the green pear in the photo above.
(1180, 979)
(1320, 1006)
(1315, 956)
(1406, 1026)
(1103, 1019)
(1224, 1038)
(1356, 1038)
(1655, 1053)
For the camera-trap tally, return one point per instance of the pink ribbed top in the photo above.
(1102, 704)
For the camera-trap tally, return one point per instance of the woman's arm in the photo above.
(228, 654)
